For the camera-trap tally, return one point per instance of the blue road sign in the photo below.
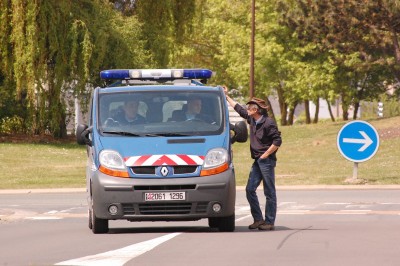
(358, 141)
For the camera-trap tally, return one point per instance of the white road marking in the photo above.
(286, 203)
(43, 218)
(242, 210)
(353, 212)
(119, 256)
(337, 203)
(293, 211)
(358, 206)
(243, 218)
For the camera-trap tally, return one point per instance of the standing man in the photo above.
(265, 139)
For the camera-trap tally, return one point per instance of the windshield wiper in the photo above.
(122, 133)
(168, 135)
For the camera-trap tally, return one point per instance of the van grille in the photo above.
(151, 170)
(166, 187)
(202, 207)
(165, 208)
(144, 170)
(128, 209)
(184, 169)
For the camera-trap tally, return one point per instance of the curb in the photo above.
(238, 188)
(331, 187)
(42, 190)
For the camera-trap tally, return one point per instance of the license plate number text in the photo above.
(161, 196)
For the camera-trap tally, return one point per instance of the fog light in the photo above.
(113, 209)
(216, 207)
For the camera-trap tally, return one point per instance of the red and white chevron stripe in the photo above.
(164, 159)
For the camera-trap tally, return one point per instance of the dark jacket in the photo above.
(262, 135)
(120, 117)
(180, 115)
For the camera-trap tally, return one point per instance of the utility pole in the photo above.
(253, 29)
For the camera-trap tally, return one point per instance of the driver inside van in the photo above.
(129, 114)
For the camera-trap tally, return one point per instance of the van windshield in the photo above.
(155, 113)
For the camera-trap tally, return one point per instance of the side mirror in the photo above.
(240, 132)
(82, 135)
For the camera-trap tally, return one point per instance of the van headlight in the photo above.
(215, 162)
(111, 163)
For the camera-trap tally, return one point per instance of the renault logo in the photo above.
(164, 171)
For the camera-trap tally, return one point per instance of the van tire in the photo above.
(213, 222)
(99, 226)
(226, 224)
(90, 224)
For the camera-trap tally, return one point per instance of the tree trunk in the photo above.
(284, 113)
(316, 111)
(282, 105)
(291, 115)
(271, 113)
(330, 110)
(345, 108)
(307, 110)
(396, 47)
(356, 107)
(56, 112)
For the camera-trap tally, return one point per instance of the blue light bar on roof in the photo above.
(197, 73)
(115, 74)
(156, 74)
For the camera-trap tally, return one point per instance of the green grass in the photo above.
(308, 156)
(42, 165)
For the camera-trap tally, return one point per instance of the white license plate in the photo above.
(161, 196)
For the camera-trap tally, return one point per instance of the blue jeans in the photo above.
(262, 169)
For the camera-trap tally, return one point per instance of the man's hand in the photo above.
(229, 99)
(225, 89)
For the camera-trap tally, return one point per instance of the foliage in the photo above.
(12, 125)
(165, 24)
(304, 50)
(361, 36)
(391, 107)
(50, 48)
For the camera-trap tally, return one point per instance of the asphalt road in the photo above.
(314, 227)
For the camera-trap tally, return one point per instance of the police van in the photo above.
(159, 149)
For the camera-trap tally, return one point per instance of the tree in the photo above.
(361, 36)
(165, 24)
(50, 48)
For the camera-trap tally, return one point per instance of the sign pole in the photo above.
(355, 171)
(357, 141)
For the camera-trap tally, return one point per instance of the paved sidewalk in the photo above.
(310, 187)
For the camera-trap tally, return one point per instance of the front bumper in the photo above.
(127, 194)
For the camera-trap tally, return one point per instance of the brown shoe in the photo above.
(267, 227)
(256, 224)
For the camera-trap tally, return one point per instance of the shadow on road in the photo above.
(198, 229)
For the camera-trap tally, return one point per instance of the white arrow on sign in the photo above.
(366, 141)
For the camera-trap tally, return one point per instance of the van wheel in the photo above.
(226, 224)
(99, 226)
(90, 219)
(213, 222)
